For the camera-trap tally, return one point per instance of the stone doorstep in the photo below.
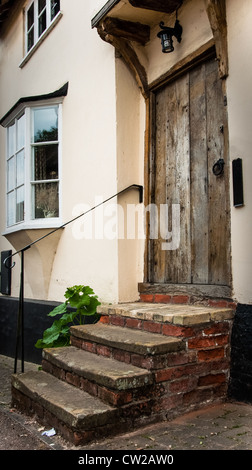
(183, 315)
(101, 370)
(130, 340)
(76, 408)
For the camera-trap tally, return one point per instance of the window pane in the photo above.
(41, 5)
(55, 8)
(42, 22)
(11, 209)
(11, 174)
(20, 204)
(46, 200)
(20, 168)
(30, 17)
(21, 132)
(45, 162)
(30, 39)
(46, 124)
(11, 140)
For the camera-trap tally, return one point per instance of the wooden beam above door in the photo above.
(165, 6)
(137, 32)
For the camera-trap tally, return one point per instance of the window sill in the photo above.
(41, 39)
(34, 225)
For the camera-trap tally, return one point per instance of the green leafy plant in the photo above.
(80, 302)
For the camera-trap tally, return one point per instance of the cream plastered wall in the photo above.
(239, 18)
(130, 170)
(73, 53)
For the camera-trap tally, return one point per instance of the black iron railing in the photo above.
(7, 263)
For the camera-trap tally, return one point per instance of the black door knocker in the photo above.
(218, 168)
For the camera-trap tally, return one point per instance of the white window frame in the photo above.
(50, 24)
(29, 222)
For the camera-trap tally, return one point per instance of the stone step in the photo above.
(106, 372)
(176, 314)
(181, 369)
(126, 339)
(77, 415)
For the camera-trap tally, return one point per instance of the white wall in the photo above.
(103, 140)
(239, 16)
(74, 53)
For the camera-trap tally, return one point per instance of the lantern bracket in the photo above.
(166, 34)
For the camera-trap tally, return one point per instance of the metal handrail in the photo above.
(20, 323)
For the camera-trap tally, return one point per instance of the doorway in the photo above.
(189, 173)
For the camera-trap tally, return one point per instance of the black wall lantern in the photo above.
(166, 34)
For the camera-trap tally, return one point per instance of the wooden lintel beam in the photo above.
(165, 6)
(216, 10)
(127, 29)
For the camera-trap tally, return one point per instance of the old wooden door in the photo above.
(190, 133)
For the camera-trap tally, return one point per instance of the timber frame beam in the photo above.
(133, 31)
(124, 48)
(216, 11)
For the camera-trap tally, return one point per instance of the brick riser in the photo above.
(187, 378)
(186, 300)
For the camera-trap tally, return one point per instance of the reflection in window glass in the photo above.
(46, 200)
(30, 16)
(42, 23)
(20, 204)
(21, 132)
(45, 162)
(41, 5)
(20, 168)
(11, 209)
(11, 140)
(55, 8)
(11, 174)
(30, 27)
(41, 16)
(46, 124)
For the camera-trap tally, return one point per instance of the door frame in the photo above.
(204, 53)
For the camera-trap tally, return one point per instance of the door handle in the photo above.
(218, 168)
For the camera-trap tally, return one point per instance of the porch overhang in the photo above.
(128, 24)
(160, 6)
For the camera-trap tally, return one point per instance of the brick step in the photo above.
(114, 382)
(78, 416)
(140, 348)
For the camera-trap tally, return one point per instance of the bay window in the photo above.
(33, 163)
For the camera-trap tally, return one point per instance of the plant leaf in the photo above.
(59, 310)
